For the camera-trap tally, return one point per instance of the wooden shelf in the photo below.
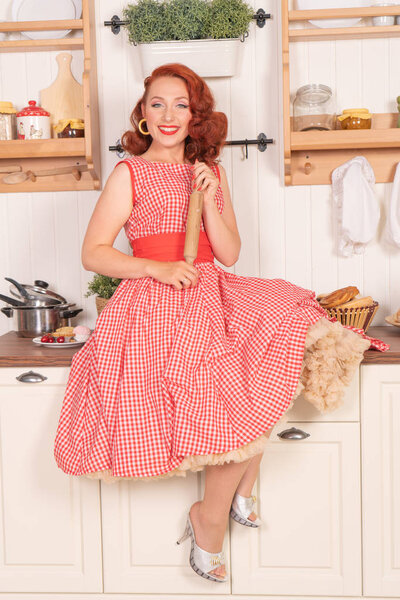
(379, 137)
(311, 156)
(39, 154)
(47, 184)
(343, 33)
(42, 148)
(10, 26)
(340, 13)
(38, 45)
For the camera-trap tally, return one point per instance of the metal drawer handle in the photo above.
(31, 377)
(293, 434)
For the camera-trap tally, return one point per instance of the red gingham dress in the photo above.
(171, 373)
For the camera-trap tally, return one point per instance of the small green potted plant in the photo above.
(104, 287)
(205, 35)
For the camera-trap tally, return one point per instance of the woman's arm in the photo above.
(221, 228)
(110, 214)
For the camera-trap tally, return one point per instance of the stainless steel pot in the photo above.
(31, 321)
(38, 309)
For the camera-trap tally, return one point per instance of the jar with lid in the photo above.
(8, 127)
(70, 128)
(314, 108)
(33, 122)
(355, 118)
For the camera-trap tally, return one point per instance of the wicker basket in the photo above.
(360, 317)
(100, 304)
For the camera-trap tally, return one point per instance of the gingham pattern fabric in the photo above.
(169, 373)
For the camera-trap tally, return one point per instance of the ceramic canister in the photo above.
(33, 122)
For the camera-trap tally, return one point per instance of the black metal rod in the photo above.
(262, 142)
(115, 23)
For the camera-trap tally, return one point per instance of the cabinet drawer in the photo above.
(53, 375)
(303, 410)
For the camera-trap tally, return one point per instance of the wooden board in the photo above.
(64, 97)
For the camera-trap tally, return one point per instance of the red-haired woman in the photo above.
(188, 366)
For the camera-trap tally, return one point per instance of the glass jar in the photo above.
(8, 124)
(355, 118)
(70, 128)
(314, 108)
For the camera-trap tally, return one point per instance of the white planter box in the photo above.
(208, 58)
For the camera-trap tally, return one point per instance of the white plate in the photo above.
(36, 340)
(392, 321)
(45, 10)
(315, 4)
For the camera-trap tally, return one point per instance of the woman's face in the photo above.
(167, 111)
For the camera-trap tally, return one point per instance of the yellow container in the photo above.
(355, 118)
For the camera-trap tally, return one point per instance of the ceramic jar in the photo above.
(33, 122)
(8, 130)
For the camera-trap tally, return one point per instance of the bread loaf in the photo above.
(358, 303)
(339, 297)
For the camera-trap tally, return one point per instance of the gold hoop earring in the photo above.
(140, 127)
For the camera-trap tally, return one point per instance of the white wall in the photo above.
(286, 232)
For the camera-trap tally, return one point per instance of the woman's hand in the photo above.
(177, 273)
(204, 180)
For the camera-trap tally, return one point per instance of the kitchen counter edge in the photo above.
(16, 351)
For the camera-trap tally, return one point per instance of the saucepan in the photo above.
(36, 309)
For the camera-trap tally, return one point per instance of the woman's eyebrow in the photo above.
(161, 98)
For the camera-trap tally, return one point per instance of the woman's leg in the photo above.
(245, 487)
(210, 515)
(249, 477)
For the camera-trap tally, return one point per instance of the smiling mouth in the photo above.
(168, 130)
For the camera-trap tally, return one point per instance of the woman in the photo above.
(189, 365)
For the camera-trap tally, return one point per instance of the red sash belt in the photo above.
(169, 246)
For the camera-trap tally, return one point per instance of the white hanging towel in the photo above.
(392, 227)
(357, 208)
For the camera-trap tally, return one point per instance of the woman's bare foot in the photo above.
(209, 534)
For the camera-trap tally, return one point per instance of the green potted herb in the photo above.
(205, 35)
(104, 287)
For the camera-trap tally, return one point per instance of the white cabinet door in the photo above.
(308, 496)
(50, 538)
(141, 522)
(380, 441)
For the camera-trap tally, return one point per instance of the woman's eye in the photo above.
(183, 105)
(156, 104)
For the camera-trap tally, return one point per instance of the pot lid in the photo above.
(33, 111)
(38, 291)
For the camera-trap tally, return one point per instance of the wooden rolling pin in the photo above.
(193, 226)
(21, 177)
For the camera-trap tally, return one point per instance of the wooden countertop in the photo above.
(22, 352)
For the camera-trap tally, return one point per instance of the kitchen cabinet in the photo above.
(330, 503)
(141, 522)
(380, 441)
(311, 156)
(53, 153)
(309, 502)
(49, 522)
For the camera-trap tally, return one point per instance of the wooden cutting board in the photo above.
(63, 99)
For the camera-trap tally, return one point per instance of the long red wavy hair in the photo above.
(207, 127)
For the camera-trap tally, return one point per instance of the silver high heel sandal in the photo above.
(241, 508)
(200, 560)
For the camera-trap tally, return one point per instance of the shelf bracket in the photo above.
(261, 16)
